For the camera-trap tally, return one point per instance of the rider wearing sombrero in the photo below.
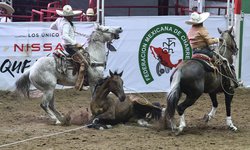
(200, 40)
(5, 9)
(66, 28)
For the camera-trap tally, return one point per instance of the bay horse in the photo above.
(43, 74)
(191, 78)
(108, 109)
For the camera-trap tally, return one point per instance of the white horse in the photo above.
(44, 75)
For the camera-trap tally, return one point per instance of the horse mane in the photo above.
(95, 35)
(99, 83)
(102, 80)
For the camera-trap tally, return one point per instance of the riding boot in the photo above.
(79, 58)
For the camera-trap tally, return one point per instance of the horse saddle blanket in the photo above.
(205, 60)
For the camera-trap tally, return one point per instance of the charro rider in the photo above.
(66, 29)
(5, 9)
(200, 40)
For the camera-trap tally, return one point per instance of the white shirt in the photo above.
(3, 19)
(66, 31)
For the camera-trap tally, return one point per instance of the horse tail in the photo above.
(174, 94)
(156, 111)
(23, 84)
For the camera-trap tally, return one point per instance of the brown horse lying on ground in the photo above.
(107, 109)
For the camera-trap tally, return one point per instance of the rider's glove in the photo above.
(78, 45)
(220, 40)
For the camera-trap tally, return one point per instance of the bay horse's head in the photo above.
(115, 85)
(228, 46)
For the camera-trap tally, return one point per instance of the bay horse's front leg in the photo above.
(99, 121)
(107, 115)
(229, 122)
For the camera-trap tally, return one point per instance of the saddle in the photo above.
(64, 62)
(206, 59)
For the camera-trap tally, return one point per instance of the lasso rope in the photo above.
(147, 101)
(43, 136)
(219, 62)
(223, 88)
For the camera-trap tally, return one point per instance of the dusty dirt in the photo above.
(24, 122)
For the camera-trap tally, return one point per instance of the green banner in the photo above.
(246, 6)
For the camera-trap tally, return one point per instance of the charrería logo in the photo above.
(162, 54)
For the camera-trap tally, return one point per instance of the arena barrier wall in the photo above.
(137, 47)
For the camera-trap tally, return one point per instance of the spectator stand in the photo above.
(45, 10)
(49, 14)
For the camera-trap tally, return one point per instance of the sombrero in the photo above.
(90, 12)
(67, 11)
(10, 10)
(196, 18)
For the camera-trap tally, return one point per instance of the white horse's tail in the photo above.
(23, 84)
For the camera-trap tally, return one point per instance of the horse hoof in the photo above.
(58, 122)
(174, 129)
(233, 128)
(206, 118)
(109, 126)
(178, 132)
(143, 123)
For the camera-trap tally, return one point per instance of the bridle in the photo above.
(224, 44)
(114, 34)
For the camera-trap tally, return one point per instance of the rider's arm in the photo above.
(66, 34)
(205, 35)
(54, 25)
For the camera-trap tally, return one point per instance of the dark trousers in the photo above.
(70, 49)
(205, 50)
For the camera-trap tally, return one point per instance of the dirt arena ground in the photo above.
(23, 120)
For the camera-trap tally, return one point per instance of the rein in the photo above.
(83, 35)
(224, 44)
(93, 64)
(101, 31)
(96, 64)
